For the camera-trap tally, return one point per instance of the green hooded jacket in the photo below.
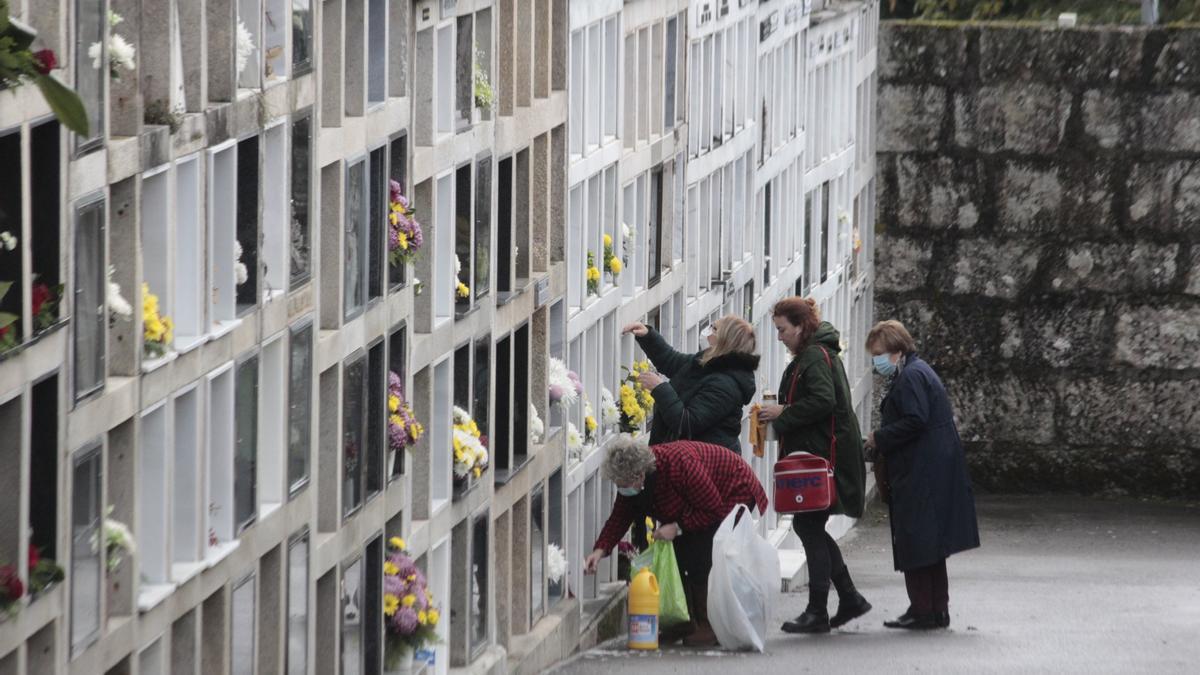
(822, 392)
(701, 402)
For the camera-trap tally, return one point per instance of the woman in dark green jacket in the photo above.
(814, 398)
(704, 398)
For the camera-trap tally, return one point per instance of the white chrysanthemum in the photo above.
(239, 268)
(558, 379)
(536, 426)
(117, 304)
(245, 46)
(587, 409)
(574, 439)
(120, 53)
(8, 241)
(94, 53)
(460, 416)
(118, 542)
(457, 266)
(609, 413)
(556, 563)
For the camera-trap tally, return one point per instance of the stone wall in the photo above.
(1040, 236)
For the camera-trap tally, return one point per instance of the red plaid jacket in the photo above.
(695, 485)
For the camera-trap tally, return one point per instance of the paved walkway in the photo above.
(1061, 585)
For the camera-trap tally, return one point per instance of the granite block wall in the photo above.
(1039, 234)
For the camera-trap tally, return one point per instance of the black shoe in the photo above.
(942, 619)
(808, 622)
(849, 609)
(911, 620)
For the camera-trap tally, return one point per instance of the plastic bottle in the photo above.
(643, 610)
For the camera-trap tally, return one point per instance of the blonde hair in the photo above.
(734, 334)
(891, 336)
(627, 459)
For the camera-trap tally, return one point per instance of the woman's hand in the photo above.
(666, 532)
(590, 563)
(769, 412)
(637, 328)
(651, 379)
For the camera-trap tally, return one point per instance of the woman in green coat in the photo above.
(704, 398)
(814, 398)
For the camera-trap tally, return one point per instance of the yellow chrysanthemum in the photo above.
(463, 290)
(389, 568)
(393, 403)
(397, 543)
(168, 329)
(403, 239)
(393, 218)
(590, 423)
(615, 266)
(608, 240)
(411, 578)
(433, 615)
(422, 617)
(408, 600)
(390, 604)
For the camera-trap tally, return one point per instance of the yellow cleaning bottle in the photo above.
(643, 610)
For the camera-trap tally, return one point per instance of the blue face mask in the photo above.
(629, 491)
(883, 364)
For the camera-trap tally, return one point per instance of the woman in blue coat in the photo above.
(931, 503)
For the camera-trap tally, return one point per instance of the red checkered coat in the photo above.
(695, 485)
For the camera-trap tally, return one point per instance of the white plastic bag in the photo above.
(743, 583)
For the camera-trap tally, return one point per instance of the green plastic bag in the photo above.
(672, 602)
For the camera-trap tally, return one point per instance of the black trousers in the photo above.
(928, 588)
(824, 557)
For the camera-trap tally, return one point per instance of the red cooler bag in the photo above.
(804, 481)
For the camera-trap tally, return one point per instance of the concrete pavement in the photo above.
(1060, 585)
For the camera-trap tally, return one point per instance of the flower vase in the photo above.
(402, 665)
(461, 487)
(391, 465)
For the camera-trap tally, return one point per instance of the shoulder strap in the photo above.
(832, 416)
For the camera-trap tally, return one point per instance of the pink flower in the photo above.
(45, 61)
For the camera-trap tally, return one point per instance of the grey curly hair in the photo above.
(627, 459)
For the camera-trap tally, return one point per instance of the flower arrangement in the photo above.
(19, 63)
(565, 386)
(405, 236)
(461, 290)
(403, 428)
(240, 273)
(589, 423)
(556, 563)
(118, 306)
(470, 447)
(245, 46)
(120, 52)
(8, 242)
(485, 96)
(610, 415)
(11, 591)
(536, 426)
(593, 275)
(574, 442)
(410, 617)
(612, 264)
(118, 542)
(156, 329)
(8, 322)
(44, 302)
(636, 401)
(43, 572)
(626, 242)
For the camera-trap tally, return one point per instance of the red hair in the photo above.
(800, 312)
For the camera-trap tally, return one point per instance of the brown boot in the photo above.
(703, 636)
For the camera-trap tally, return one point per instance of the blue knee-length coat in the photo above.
(932, 502)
